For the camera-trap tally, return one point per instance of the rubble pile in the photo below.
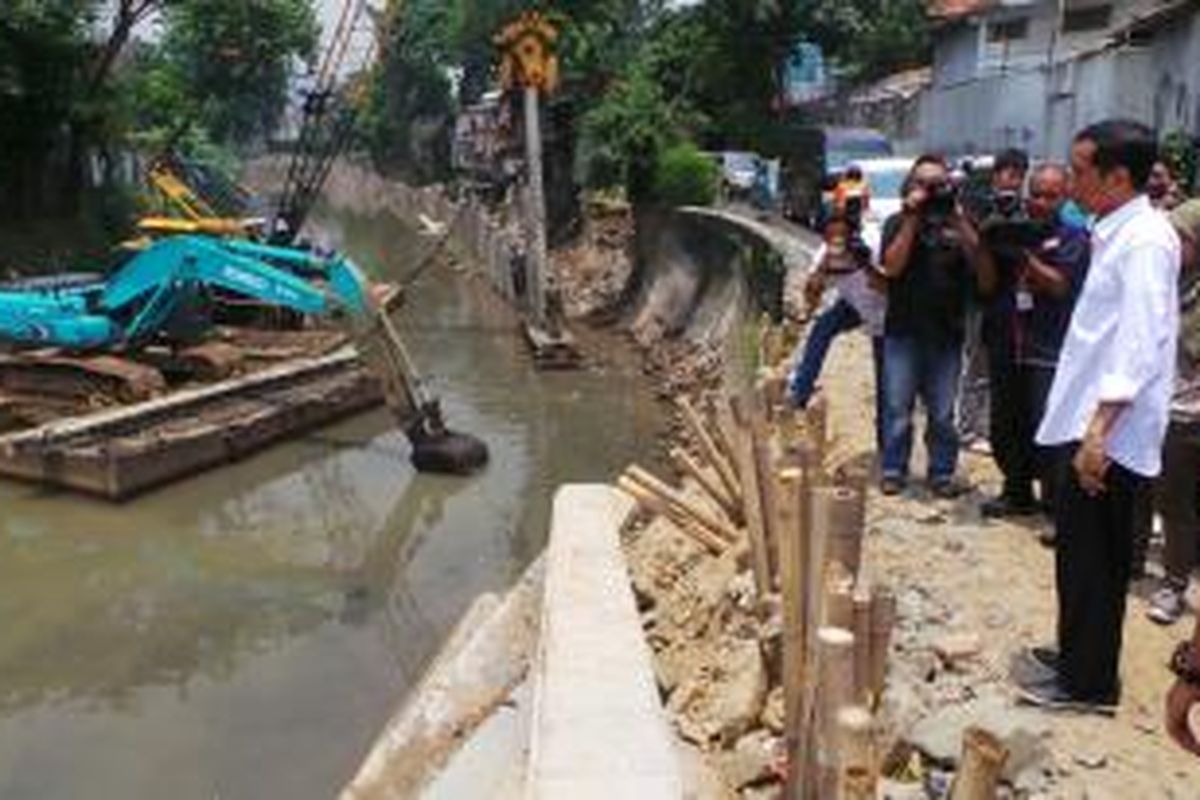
(716, 661)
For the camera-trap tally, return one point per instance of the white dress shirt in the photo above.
(1120, 347)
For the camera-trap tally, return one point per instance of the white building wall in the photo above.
(1038, 104)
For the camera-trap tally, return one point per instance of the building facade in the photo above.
(1031, 74)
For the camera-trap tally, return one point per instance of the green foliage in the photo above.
(625, 133)
(1179, 152)
(685, 177)
(232, 58)
(409, 107)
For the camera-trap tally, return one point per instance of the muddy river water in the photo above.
(247, 633)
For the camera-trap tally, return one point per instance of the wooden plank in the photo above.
(178, 402)
(159, 448)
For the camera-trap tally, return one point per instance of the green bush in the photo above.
(685, 177)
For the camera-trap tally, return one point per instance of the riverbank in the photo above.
(971, 594)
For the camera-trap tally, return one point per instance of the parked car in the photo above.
(739, 170)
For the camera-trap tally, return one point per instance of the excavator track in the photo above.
(88, 381)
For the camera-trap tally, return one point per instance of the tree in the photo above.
(234, 57)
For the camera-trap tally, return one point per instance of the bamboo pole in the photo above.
(657, 505)
(835, 658)
(764, 464)
(755, 513)
(791, 488)
(701, 515)
(689, 466)
(856, 753)
(725, 430)
(838, 514)
(983, 760)
(704, 439)
(857, 784)
(816, 414)
(883, 619)
(838, 601)
(863, 604)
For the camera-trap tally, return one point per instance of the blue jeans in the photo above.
(915, 367)
(838, 319)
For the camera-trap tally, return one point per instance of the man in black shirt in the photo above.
(928, 252)
(1031, 270)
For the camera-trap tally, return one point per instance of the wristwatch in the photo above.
(1183, 664)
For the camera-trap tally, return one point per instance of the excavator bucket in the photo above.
(435, 448)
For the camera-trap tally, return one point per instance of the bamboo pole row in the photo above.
(762, 483)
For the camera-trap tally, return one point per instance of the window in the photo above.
(1008, 30)
(1094, 18)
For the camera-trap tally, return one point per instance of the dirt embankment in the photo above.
(971, 593)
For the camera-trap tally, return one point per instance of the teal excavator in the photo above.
(165, 295)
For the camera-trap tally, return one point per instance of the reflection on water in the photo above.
(245, 634)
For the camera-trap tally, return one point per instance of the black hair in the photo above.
(930, 158)
(854, 173)
(1122, 143)
(1012, 158)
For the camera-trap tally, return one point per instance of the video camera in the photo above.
(1007, 204)
(941, 200)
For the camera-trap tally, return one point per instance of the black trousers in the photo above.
(1093, 558)
(1018, 394)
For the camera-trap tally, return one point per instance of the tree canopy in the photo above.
(76, 83)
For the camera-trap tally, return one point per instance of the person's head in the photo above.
(1111, 163)
(928, 171)
(1160, 181)
(854, 173)
(1009, 169)
(1049, 188)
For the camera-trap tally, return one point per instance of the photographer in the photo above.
(929, 249)
(998, 199)
(1031, 269)
(845, 262)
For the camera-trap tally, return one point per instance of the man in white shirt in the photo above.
(1107, 412)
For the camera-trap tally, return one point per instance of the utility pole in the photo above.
(529, 64)
(535, 211)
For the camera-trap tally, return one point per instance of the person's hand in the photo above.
(814, 287)
(1091, 463)
(877, 280)
(1180, 700)
(915, 199)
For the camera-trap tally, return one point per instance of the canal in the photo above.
(248, 632)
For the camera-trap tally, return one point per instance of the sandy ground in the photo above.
(994, 580)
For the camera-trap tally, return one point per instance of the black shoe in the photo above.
(891, 486)
(1005, 506)
(1048, 536)
(1040, 663)
(1050, 695)
(948, 488)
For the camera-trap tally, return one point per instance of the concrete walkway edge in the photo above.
(599, 729)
